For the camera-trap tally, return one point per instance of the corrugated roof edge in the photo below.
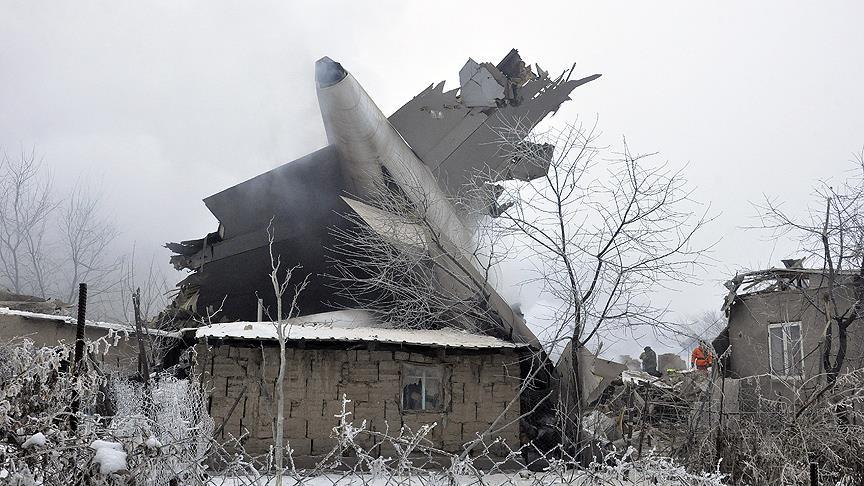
(266, 331)
(111, 326)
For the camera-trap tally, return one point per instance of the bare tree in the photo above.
(87, 237)
(391, 256)
(833, 235)
(602, 238)
(26, 206)
(49, 245)
(123, 283)
(281, 280)
(601, 243)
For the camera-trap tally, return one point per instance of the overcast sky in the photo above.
(164, 103)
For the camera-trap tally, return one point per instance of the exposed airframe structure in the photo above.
(432, 147)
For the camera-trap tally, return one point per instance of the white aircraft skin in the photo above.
(367, 141)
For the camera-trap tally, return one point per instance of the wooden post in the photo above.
(629, 412)
(642, 419)
(719, 442)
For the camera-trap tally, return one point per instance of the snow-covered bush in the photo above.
(170, 428)
(119, 432)
(780, 431)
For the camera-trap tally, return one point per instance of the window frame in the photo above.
(787, 344)
(410, 370)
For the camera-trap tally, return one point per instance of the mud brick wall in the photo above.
(48, 332)
(478, 385)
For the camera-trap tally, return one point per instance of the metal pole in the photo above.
(79, 332)
(79, 353)
(814, 473)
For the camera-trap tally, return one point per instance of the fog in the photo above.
(164, 103)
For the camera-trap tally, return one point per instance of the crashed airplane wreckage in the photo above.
(430, 148)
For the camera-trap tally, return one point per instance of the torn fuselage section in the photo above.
(229, 269)
(191, 254)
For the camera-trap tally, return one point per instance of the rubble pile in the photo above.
(648, 412)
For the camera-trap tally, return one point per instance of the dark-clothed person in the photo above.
(649, 361)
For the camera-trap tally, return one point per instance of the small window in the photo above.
(785, 349)
(422, 388)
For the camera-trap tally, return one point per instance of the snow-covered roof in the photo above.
(350, 325)
(109, 326)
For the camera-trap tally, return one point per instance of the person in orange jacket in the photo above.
(701, 356)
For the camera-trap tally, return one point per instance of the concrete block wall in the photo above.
(121, 356)
(753, 313)
(478, 386)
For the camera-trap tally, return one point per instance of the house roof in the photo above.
(350, 326)
(774, 279)
(109, 326)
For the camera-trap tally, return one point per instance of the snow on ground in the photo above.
(153, 443)
(110, 456)
(35, 440)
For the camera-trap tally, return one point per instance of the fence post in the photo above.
(814, 473)
(79, 352)
(79, 331)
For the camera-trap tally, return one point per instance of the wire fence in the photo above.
(159, 432)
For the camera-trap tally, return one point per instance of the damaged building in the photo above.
(442, 149)
(770, 354)
(777, 322)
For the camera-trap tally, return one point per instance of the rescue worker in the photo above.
(649, 361)
(701, 356)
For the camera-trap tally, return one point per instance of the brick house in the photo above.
(461, 382)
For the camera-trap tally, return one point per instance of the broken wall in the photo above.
(596, 374)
